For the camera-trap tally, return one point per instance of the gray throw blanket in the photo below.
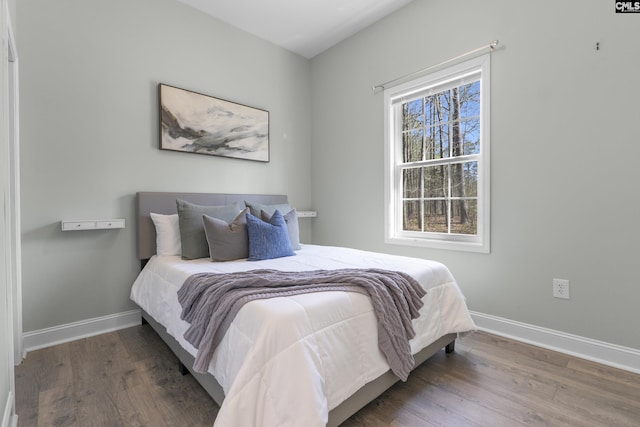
(210, 302)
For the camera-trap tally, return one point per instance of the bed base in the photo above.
(339, 414)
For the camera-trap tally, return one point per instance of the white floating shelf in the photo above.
(307, 214)
(91, 224)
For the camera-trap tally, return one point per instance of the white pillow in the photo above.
(167, 234)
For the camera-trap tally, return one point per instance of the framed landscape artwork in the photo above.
(195, 123)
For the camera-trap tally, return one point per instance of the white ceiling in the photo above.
(306, 27)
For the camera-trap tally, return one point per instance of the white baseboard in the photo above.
(9, 419)
(585, 348)
(85, 328)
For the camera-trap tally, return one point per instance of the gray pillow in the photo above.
(192, 237)
(291, 218)
(270, 209)
(227, 241)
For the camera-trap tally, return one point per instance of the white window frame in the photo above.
(393, 98)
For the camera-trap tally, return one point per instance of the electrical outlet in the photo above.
(561, 288)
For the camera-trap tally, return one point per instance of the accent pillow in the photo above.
(270, 209)
(192, 237)
(291, 218)
(167, 234)
(227, 241)
(268, 240)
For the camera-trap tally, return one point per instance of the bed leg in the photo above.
(451, 347)
(182, 369)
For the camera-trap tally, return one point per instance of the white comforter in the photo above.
(288, 361)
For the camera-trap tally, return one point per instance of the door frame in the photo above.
(12, 193)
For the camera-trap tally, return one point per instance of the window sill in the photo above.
(478, 247)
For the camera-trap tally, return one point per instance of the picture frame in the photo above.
(192, 122)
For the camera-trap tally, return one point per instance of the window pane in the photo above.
(469, 95)
(412, 146)
(411, 183)
(470, 136)
(436, 181)
(435, 216)
(412, 114)
(464, 179)
(437, 143)
(464, 216)
(411, 216)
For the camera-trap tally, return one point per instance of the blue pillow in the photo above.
(270, 239)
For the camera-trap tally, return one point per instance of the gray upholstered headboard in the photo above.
(165, 203)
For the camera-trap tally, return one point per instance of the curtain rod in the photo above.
(490, 46)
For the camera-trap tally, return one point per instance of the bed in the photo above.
(309, 359)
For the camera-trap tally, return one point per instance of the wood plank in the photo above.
(564, 376)
(619, 411)
(27, 389)
(99, 408)
(608, 373)
(57, 406)
(131, 378)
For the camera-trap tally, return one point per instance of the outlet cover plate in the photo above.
(561, 288)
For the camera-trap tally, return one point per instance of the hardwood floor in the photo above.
(123, 378)
(130, 378)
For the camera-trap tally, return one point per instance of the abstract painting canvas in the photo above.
(197, 123)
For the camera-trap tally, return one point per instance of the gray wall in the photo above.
(89, 75)
(564, 153)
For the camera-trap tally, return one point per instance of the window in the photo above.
(437, 159)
